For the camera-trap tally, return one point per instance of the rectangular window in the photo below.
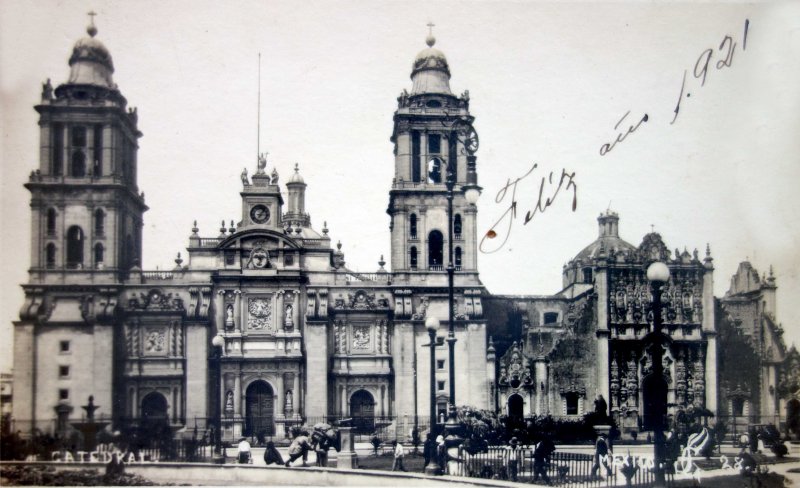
(63, 371)
(63, 346)
(63, 394)
(434, 144)
(550, 318)
(440, 364)
(440, 385)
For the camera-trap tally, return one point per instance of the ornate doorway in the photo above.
(154, 408)
(362, 410)
(259, 410)
(516, 407)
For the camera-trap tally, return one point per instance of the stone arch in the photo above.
(515, 406)
(362, 411)
(435, 249)
(259, 405)
(75, 238)
(154, 408)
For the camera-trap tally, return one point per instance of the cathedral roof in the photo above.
(90, 62)
(430, 72)
(607, 240)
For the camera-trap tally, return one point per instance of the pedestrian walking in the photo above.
(541, 458)
(399, 454)
(601, 453)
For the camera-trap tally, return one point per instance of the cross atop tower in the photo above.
(92, 30)
(430, 40)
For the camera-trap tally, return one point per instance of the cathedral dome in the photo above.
(607, 240)
(296, 178)
(90, 62)
(430, 72)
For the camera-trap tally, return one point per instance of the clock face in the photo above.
(259, 214)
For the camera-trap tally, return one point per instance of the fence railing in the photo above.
(566, 469)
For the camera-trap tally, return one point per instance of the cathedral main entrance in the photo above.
(260, 409)
(516, 407)
(362, 410)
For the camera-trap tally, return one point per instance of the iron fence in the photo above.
(565, 469)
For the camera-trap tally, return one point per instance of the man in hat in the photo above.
(601, 455)
(513, 458)
(541, 458)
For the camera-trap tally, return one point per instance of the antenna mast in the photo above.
(258, 124)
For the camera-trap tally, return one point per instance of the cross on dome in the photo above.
(430, 40)
(91, 30)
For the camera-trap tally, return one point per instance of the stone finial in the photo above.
(195, 230)
(325, 228)
(232, 228)
(178, 261)
(222, 229)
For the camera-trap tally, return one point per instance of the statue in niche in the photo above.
(229, 316)
(229, 402)
(288, 405)
(288, 321)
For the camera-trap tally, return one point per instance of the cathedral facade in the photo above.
(263, 326)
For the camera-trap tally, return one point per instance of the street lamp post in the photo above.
(654, 385)
(218, 343)
(432, 323)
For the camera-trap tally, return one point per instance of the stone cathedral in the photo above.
(264, 326)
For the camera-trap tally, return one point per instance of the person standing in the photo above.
(399, 454)
(513, 459)
(541, 457)
(428, 449)
(441, 453)
(601, 456)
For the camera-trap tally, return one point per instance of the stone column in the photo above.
(279, 310)
(219, 309)
(383, 400)
(296, 311)
(343, 400)
(238, 395)
(603, 333)
(238, 311)
(540, 373)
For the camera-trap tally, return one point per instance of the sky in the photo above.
(548, 83)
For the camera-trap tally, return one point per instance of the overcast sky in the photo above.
(548, 83)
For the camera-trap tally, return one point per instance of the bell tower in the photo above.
(85, 202)
(433, 141)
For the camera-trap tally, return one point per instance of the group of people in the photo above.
(322, 438)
